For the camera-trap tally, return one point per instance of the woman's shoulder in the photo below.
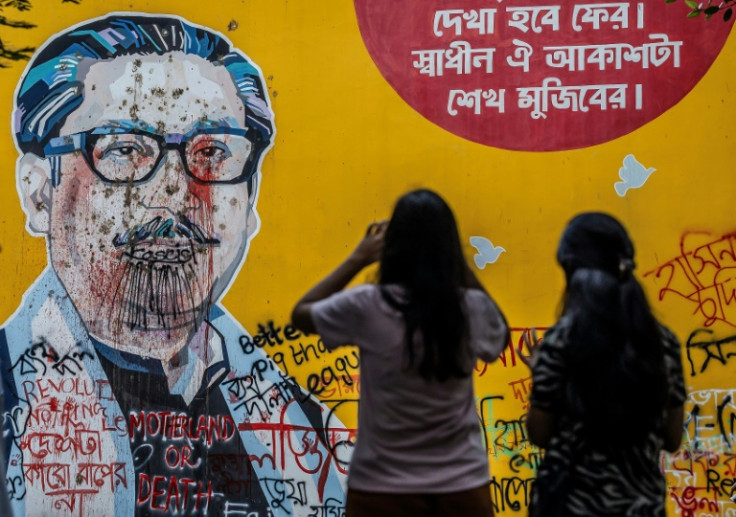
(476, 297)
(385, 298)
(356, 298)
(478, 302)
(363, 290)
(473, 292)
(362, 294)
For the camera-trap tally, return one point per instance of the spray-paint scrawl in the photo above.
(127, 392)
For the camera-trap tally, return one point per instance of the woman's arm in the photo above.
(472, 282)
(540, 424)
(674, 413)
(367, 252)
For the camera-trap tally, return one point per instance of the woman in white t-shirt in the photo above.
(420, 331)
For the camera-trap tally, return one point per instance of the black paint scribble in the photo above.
(159, 286)
(41, 355)
(157, 296)
(18, 5)
(714, 349)
(8, 51)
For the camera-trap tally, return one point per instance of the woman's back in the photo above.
(607, 384)
(419, 450)
(605, 477)
(415, 435)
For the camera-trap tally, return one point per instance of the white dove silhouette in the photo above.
(633, 174)
(487, 252)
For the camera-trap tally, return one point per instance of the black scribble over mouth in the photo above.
(160, 287)
(160, 296)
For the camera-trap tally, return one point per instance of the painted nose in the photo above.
(169, 188)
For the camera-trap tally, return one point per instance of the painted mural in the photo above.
(156, 228)
(132, 390)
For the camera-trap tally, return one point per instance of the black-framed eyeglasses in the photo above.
(125, 156)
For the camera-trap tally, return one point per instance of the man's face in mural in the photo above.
(142, 247)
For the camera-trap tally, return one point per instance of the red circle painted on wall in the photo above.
(517, 75)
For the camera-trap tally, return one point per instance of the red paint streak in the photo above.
(703, 274)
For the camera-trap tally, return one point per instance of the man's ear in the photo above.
(33, 176)
(254, 221)
(253, 189)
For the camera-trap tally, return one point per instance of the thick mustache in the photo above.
(159, 228)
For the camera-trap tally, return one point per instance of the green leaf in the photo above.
(692, 4)
(713, 9)
(669, 1)
(727, 14)
(694, 13)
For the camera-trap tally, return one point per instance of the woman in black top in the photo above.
(607, 389)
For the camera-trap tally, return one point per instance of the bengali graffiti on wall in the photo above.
(701, 277)
(129, 388)
(703, 471)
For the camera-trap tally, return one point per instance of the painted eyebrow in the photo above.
(227, 123)
(127, 124)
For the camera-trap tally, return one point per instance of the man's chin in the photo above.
(156, 298)
(142, 320)
(154, 343)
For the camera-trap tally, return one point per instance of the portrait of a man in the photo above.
(127, 391)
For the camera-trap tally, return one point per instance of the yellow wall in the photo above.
(347, 146)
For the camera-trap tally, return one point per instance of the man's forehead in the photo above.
(171, 91)
(170, 71)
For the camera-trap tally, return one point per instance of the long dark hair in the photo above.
(615, 352)
(422, 253)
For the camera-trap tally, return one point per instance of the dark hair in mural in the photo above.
(53, 85)
(614, 349)
(422, 253)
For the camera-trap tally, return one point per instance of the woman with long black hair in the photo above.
(607, 384)
(420, 331)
